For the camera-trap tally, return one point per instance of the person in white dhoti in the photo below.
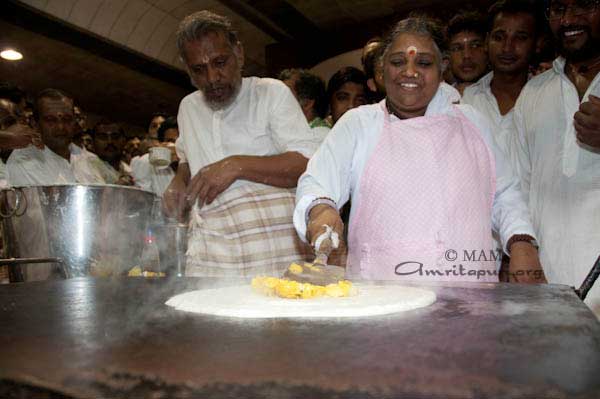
(243, 144)
(557, 147)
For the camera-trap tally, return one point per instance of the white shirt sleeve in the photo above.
(519, 147)
(179, 149)
(31, 166)
(510, 214)
(290, 130)
(15, 172)
(328, 173)
(141, 171)
(3, 175)
(89, 169)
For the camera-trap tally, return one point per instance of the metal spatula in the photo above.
(318, 272)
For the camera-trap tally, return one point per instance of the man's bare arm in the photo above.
(281, 170)
(174, 198)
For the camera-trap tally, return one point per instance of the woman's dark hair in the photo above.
(417, 25)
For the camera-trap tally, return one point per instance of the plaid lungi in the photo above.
(246, 231)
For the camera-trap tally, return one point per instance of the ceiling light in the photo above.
(11, 55)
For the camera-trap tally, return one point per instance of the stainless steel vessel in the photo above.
(90, 229)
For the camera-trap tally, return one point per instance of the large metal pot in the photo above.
(90, 229)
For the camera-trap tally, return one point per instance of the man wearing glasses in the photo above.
(556, 146)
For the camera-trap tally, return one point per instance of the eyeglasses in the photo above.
(558, 10)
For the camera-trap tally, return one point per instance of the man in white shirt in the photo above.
(54, 163)
(557, 147)
(466, 47)
(50, 165)
(58, 161)
(149, 139)
(243, 144)
(511, 48)
(154, 178)
(511, 45)
(109, 141)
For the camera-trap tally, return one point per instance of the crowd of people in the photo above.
(476, 138)
(53, 144)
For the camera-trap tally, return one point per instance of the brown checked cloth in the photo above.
(247, 231)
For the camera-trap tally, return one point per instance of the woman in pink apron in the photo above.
(426, 180)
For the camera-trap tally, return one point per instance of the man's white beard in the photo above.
(219, 105)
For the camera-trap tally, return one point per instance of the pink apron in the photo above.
(426, 197)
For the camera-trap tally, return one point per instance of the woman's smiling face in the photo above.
(412, 74)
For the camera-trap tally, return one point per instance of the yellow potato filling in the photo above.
(272, 286)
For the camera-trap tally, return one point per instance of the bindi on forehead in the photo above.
(466, 36)
(413, 44)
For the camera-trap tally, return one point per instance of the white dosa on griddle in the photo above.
(243, 302)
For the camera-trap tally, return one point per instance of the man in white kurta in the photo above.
(557, 148)
(510, 47)
(264, 120)
(157, 178)
(242, 145)
(560, 178)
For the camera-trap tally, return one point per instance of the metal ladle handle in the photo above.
(589, 281)
(18, 192)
